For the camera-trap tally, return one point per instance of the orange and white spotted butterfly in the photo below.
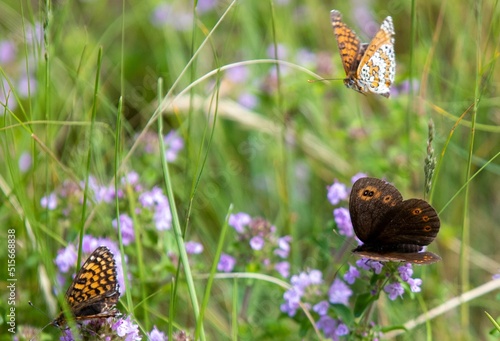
(369, 67)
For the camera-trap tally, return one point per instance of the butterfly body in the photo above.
(391, 229)
(370, 68)
(95, 290)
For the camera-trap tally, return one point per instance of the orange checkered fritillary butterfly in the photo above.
(370, 68)
(95, 290)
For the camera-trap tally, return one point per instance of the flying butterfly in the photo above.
(370, 68)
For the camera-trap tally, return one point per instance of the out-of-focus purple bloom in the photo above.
(336, 192)
(237, 74)
(257, 243)
(66, 258)
(132, 178)
(342, 330)
(26, 85)
(34, 34)
(405, 271)
(339, 292)
(239, 220)
(163, 217)
(281, 52)
(292, 299)
(173, 145)
(306, 57)
(167, 15)
(328, 326)
(193, 248)
(283, 268)
(351, 274)
(25, 162)
(321, 308)
(7, 51)
(226, 263)
(343, 221)
(156, 335)
(49, 202)
(496, 276)
(205, 5)
(283, 249)
(248, 100)
(376, 266)
(415, 284)
(128, 329)
(394, 290)
(405, 87)
(363, 263)
(127, 228)
(358, 176)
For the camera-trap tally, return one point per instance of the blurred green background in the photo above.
(276, 143)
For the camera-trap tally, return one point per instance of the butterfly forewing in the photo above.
(95, 290)
(348, 43)
(371, 200)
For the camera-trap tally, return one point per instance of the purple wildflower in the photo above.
(205, 5)
(66, 258)
(342, 330)
(248, 100)
(394, 290)
(173, 145)
(239, 220)
(7, 51)
(351, 274)
(237, 74)
(25, 162)
(281, 52)
(257, 243)
(339, 292)
(292, 299)
(226, 263)
(328, 326)
(163, 217)
(128, 329)
(343, 221)
(415, 284)
(405, 271)
(193, 248)
(49, 202)
(283, 268)
(336, 192)
(358, 176)
(127, 228)
(321, 308)
(156, 335)
(496, 276)
(283, 249)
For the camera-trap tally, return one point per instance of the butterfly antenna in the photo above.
(324, 79)
(48, 324)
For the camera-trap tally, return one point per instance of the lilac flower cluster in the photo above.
(258, 247)
(309, 289)
(117, 328)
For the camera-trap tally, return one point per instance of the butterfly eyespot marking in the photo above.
(425, 218)
(416, 211)
(427, 228)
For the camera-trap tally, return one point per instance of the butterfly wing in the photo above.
(348, 43)
(413, 224)
(95, 289)
(415, 257)
(370, 202)
(377, 68)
